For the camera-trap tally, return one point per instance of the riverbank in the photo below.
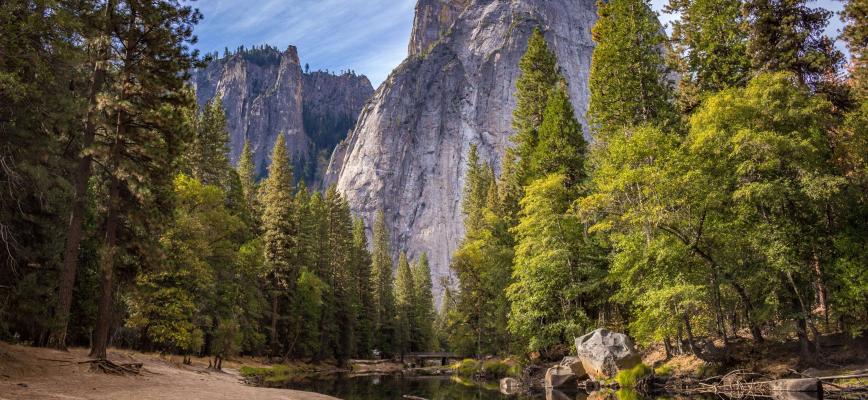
(44, 374)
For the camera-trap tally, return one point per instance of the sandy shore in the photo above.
(36, 374)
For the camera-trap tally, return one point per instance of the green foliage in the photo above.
(405, 300)
(422, 332)
(496, 369)
(628, 80)
(628, 378)
(789, 36)
(538, 77)
(561, 145)
(710, 43)
(382, 288)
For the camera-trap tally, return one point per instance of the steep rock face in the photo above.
(330, 107)
(265, 92)
(407, 153)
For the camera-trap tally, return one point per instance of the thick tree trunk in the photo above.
(82, 175)
(106, 283)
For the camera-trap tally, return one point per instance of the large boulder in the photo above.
(558, 376)
(603, 353)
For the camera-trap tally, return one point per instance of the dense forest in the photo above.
(124, 223)
(724, 193)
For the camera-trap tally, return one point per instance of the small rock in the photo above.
(23, 385)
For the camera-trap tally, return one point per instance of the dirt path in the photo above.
(37, 374)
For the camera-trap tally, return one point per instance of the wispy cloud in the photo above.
(368, 36)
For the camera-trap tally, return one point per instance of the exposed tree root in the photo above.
(108, 367)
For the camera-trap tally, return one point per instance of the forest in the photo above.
(124, 223)
(723, 194)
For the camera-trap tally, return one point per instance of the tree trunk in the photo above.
(80, 180)
(106, 282)
(274, 323)
(667, 347)
(718, 310)
(689, 330)
(820, 287)
(755, 330)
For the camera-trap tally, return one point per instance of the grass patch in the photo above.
(275, 373)
(465, 368)
(627, 378)
(664, 370)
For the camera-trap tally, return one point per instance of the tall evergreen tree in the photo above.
(710, 45)
(381, 285)
(629, 83)
(538, 75)
(405, 301)
(206, 156)
(855, 16)
(424, 314)
(787, 35)
(147, 107)
(279, 232)
(561, 146)
(247, 174)
(361, 261)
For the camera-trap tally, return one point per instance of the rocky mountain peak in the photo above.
(407, 152)
(266, 92)
(432, 21)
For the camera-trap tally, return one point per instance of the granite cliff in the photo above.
(265, 92)
(407, 152)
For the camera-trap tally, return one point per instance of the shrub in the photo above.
(628, 378)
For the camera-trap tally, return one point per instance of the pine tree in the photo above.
(405, 302)
(279, 231)
(710, 44)
(343, 276)
(247, 172)
(381, 285)
(539, 74)
(561, 146)
(147, 106)
(628, 80)
(422, 332)
(207, 159)
(361, 262)
(787, 35)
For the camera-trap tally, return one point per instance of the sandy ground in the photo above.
(37, 374)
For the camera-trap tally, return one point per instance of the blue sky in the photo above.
(368, 36)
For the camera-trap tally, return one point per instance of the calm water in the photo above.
(394, 387)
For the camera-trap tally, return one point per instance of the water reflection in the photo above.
(394, 387)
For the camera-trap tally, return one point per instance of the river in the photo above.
(394, 387)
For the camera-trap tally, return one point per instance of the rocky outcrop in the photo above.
(265, 92)
(604, 353)
(407, 153)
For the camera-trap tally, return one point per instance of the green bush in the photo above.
(276, 373)
(627, 378)
(467, 367)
